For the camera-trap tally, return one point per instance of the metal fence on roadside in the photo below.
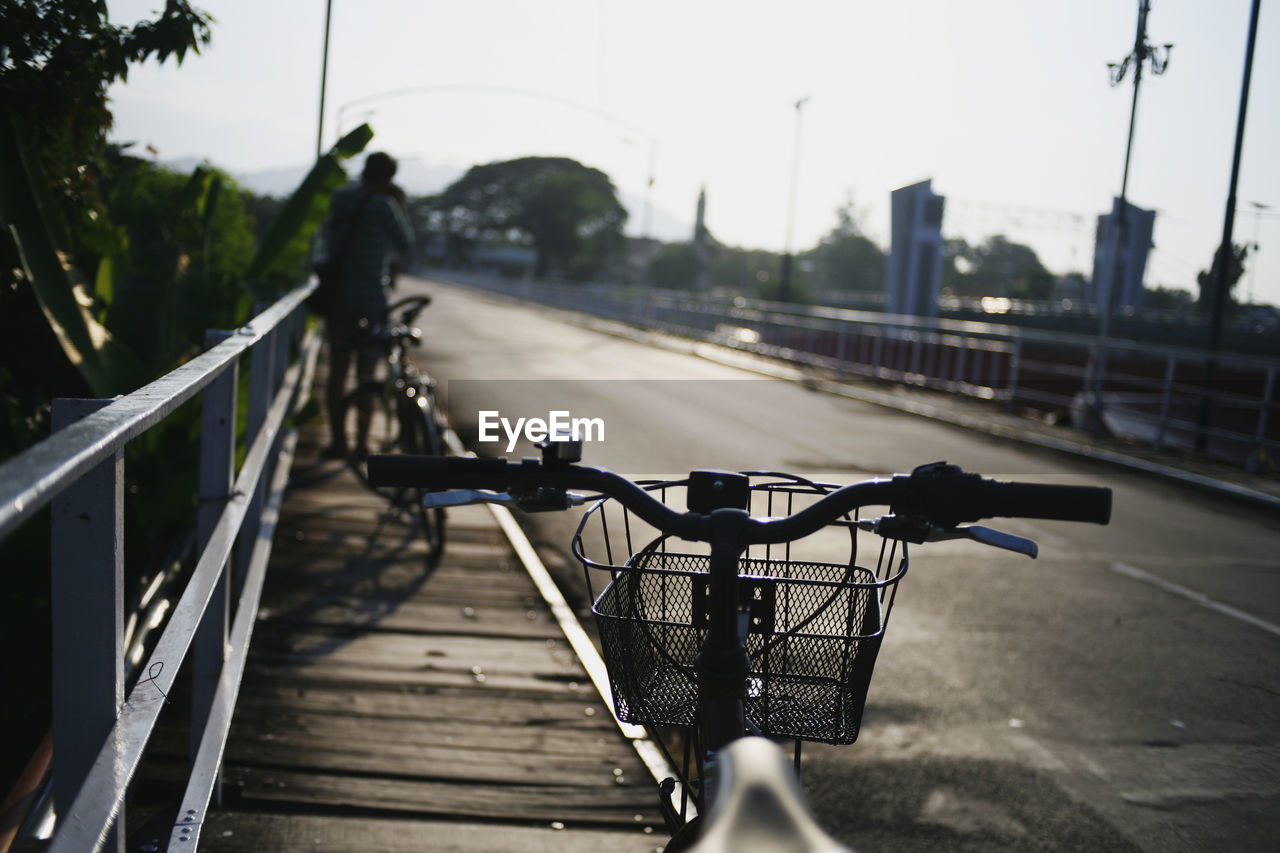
(1148, 393)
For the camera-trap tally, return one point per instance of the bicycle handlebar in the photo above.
(937, 495)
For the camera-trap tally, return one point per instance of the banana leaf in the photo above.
(27, 211)
(286, 241)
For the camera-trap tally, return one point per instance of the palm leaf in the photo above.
(28, 213)
(303, 213)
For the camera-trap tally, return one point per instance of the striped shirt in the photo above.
(382, 230)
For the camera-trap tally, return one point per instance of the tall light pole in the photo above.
(324, 76)
(1141, 53)
(784, 285)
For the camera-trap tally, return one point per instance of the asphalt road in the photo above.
(1120, 692)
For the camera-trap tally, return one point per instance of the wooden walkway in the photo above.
(382, 710)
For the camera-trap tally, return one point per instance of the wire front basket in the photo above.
(815, 618)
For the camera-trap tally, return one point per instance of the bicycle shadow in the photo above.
(345, 562)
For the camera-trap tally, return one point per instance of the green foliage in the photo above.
(998, 267)
(846, 259)
(675, 267)
(568, 212)
(38, 235)
(61, 57)
(183, 245)
(1207, 280)
(751, 271)
(1168, 298)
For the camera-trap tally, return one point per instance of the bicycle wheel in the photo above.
(420, 434)
(399, 422)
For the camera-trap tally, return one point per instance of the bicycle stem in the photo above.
(723, 662)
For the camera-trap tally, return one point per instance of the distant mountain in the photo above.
(419, 177)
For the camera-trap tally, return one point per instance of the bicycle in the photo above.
(723, 624)
(404, 417)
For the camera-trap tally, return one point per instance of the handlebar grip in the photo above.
(1036, 500)
(436, 473)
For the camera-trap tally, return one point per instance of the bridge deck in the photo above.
(384, 710)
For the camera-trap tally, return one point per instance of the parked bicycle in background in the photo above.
(403, 416)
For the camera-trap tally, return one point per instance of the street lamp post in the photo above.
(784, 284)
(324, 76)
(1141, 53)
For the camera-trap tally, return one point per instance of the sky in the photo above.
(1006, 105)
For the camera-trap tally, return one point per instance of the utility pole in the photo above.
(1119, 231)
(784, 284)
(1220, 273)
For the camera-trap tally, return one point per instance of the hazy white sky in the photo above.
(1005, 104)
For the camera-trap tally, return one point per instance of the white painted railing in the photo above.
(100, 728)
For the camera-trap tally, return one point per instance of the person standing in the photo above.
(368, 225)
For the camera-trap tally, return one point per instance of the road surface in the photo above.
(1120, 692)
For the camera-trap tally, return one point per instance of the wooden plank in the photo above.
(488, 618)
(541, 803)
(550, 736)
(430, 705)
(245, 832)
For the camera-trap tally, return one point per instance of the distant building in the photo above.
(700, 219)
(915, 255)
(1135, 245)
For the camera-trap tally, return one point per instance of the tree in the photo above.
(569, 213)
(998, 267)
(59, 57)
(1207, 280)
(847, 259)
(675, 267)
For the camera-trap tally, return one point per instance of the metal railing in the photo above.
(1149, 393)
(100, 731)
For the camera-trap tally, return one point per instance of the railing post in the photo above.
(279, 344)
(1015, 364)
(960, 360)
(263, 370)
(217, 464)
(1166, 401)
(1263, 413)
(842, 340)
(87, 603)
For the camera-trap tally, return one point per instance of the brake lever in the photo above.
(466, 497)
(975, 532)
(988, 536)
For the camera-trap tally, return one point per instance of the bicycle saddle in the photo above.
(759, 807)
